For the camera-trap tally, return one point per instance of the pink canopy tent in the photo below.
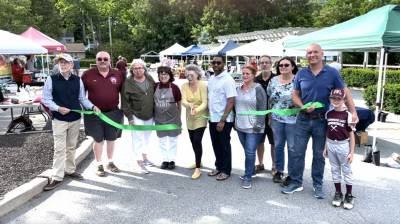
(45, 41)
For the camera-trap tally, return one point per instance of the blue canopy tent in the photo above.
(222, 49)
(193, 50)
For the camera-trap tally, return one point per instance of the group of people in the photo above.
(222, 106)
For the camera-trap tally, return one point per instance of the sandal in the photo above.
(222, 176)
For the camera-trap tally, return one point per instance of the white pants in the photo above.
(141, 139)
(65, 136)
(337, 154)
(168, 147)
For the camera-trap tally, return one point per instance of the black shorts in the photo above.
(99, 130)
(268, 132)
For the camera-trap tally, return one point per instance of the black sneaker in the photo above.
(171, 165)
(286, 182)
(337, 199)
(53, 184)
(100, 171)
(164, 165)
(348, 202)
(277, 177)
(74, 175)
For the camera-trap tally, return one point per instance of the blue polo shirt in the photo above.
(317, 88)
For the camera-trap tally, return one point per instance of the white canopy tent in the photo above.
(13, 44)
(175, 49)
(256, 48)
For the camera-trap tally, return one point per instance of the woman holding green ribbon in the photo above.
(279, 91)
(138, 105)
(250, 128)
(194, 99)
(167, 110)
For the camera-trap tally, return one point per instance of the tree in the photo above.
(15, 15)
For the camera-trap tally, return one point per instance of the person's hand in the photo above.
(96, 109)
(63, 110)
(350, 158)
(220, 126)
(325, 153)
(257, 129)
(192, 110)
(310, 109)
(131, 122)
(354, 120)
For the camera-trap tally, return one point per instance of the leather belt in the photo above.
(313, 116)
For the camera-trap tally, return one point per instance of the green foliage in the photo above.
(391, 97)
(359, 77)
(15, 15)
(85, 63)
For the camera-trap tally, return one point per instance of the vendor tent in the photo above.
(222, 49)
(375, 31)
(45, 41)
(175, 49)
(256, 48)
(369, 32)
(15, 44)
(193, 50)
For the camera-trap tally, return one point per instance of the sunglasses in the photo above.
(102, 59)
(216, 62)
(284, 65)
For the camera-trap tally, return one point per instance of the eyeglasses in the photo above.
(102, 59)
(284, 65)
(138, 68)
(216, 62)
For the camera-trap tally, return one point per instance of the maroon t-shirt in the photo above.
(338, 125)
(103, 91)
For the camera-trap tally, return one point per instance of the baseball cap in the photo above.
(337, 93)
(66, 57)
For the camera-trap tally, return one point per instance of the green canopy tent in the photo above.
(376, 31)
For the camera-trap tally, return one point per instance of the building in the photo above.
(76, 49)
(269, 35)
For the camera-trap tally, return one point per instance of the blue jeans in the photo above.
(306, 128)
(283, 133)
(249, 142)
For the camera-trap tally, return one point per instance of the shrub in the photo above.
(360, 77)
(391, 100)
(85, 63)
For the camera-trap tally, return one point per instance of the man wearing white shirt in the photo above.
(221, 99)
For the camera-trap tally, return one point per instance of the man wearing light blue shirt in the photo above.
(221, 99)
(62, 93)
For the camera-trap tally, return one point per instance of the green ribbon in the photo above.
(283, 112)
(103, 117)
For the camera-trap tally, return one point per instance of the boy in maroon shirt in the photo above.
(339, 148)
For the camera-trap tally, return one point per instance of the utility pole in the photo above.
(110, 34)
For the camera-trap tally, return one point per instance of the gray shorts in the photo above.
(99, 130)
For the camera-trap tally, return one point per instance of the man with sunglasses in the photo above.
(313, 84)
(221, 99)
(63, 92)
(103, 85)
(264, 76)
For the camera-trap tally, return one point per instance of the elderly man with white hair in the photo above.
(138, 106)
(62, 93)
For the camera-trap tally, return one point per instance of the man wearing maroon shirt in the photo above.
(103, 85)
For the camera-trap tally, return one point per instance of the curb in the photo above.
(27, 191)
